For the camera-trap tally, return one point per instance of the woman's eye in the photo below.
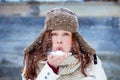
(66, 34)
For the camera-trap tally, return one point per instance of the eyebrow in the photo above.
(53, 33)
(66, 33)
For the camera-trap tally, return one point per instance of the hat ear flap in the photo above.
(86, 48)
(35, 44)
(84, 45)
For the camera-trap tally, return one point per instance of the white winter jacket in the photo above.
(95, 73)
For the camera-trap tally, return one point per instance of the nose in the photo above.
(59, 42)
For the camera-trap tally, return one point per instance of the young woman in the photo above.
(60, 52)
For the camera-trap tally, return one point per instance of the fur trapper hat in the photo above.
(61, 19)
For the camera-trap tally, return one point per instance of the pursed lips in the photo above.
(60, 48)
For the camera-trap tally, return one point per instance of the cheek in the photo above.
(53, 43)
(68, 43)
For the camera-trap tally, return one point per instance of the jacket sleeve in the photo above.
(47, 74)
(96, 72)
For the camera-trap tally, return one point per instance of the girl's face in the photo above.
(61, 40)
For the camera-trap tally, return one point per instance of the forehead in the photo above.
(61, 31)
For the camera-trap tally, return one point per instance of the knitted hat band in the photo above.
(61, 19)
